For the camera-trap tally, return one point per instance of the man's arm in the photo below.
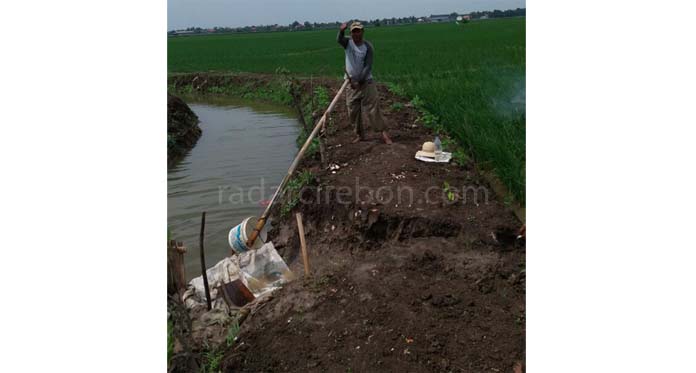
(365, 72)
(341, 39)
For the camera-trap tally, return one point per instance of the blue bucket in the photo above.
(240, 234)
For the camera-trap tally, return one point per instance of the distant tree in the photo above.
(519, 12)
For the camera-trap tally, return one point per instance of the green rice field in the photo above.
(470, 77)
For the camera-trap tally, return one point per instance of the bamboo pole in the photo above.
(262, 220)
(303, 244)
(203, 266)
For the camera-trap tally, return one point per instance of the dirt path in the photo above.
(417, 284)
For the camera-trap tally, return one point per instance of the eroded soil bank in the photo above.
(431, 281)
(182, 128)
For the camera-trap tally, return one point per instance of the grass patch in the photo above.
(170, 340)
(318, 101)
(232, 334)
(273, 92)
(396, 89)
(448, 191)
(212, 358)
(293, 190)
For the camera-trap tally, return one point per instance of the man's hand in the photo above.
(344, 26)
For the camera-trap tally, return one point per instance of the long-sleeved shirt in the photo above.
(358, 58)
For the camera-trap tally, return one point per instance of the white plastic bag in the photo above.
(261, 270)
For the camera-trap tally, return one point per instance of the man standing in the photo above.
(362, 97)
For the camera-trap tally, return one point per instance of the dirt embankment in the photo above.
(182, 128)
(430, 281)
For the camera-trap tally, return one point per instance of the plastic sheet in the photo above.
(261, 270)
(264, 270)
(446, 157)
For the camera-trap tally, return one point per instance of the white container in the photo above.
(239, 235)
(438, 149)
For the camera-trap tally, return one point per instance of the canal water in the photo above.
(241, 157)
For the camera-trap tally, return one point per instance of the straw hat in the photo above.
(428, 150)
(356, 25)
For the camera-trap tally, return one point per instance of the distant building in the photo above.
(420, 19)
(463, 18)
(440, 18)
(183, 32)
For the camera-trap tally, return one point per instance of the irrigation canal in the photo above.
(242, 155)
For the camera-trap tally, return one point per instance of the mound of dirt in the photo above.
(429, 282)
(182, 128)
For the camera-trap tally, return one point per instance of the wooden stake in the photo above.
(300, 228)
(176, 277)
(203, 267)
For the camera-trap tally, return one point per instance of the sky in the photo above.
(234, 13)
